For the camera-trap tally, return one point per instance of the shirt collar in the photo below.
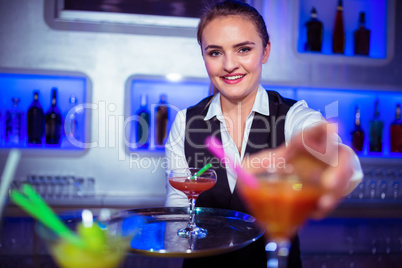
(261, 105)
(214, 108)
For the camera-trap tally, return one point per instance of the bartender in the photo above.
(248, 119)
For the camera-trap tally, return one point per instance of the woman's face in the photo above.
(233, 54)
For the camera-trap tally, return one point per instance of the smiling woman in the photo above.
(245, 117)
(234, 44)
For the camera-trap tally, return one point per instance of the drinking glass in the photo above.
(186, 180)
(107, 249)
(281, 203)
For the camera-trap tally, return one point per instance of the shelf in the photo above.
(181, 93)
(22, 83)
(337, 106)
(367, 209)
(380, 19)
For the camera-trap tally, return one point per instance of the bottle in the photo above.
(53, 121)
(338, 35)
(71, 119)
(35, 121)
(314, 32)
(13, 124)
(376, 127)
(362, 37)
(396, 131)
(162, 115)
(357, 133)
(142, 123)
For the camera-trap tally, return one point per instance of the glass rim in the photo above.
(190, 171)
(290, 173)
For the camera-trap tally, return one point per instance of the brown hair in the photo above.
(233, 8)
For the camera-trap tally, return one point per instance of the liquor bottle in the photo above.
(53, 121)
(362, 37)
(314, 32)
(338, 35)
(162, 116)
(35, 121)
(396, 131)
(13, 124)
(142, 123)
(376, 127)
(71, 119)
(357, 133)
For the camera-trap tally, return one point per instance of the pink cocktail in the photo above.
(185, 180)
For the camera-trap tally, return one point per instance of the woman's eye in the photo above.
(244, 49)
(214, 53)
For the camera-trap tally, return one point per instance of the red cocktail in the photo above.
(186, 180)
(192, 188)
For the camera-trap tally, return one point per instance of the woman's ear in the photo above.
(267, 51)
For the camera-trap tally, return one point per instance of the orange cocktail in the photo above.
(281, 201)
(192, 182)
(281, 206)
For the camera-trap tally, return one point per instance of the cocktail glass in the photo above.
(105, 248)
(281, 203)
(183, 179)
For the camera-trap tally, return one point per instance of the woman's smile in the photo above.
(233, 78)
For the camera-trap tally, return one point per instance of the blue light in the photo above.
(376, 21)
(337, 105)
(152, 236)
(271, 246)
(14, 85)
(347, 100)
(180, 95)
(272, 263)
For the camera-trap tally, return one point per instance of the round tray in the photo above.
(227, 231)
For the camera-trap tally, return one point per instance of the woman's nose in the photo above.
(230, 63)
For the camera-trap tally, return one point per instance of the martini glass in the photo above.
(281, 203)
(192, 185)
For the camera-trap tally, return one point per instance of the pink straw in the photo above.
(215, 147)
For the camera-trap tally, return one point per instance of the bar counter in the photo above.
(357, 233)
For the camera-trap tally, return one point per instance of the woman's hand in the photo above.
(314, 153)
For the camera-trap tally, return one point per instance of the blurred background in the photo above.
(115, 63)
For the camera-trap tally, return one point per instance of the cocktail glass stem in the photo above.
(278, 258)
(192, 230)
(191, 224)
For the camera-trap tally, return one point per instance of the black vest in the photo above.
(266, 132)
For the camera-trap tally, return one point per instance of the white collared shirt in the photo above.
(298, 117)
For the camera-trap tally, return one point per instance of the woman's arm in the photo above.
(314, 148)
(176, 158)
(340, 178)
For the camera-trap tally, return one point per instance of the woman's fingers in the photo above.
(309, 152)
(318, 142)
(335, 181)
